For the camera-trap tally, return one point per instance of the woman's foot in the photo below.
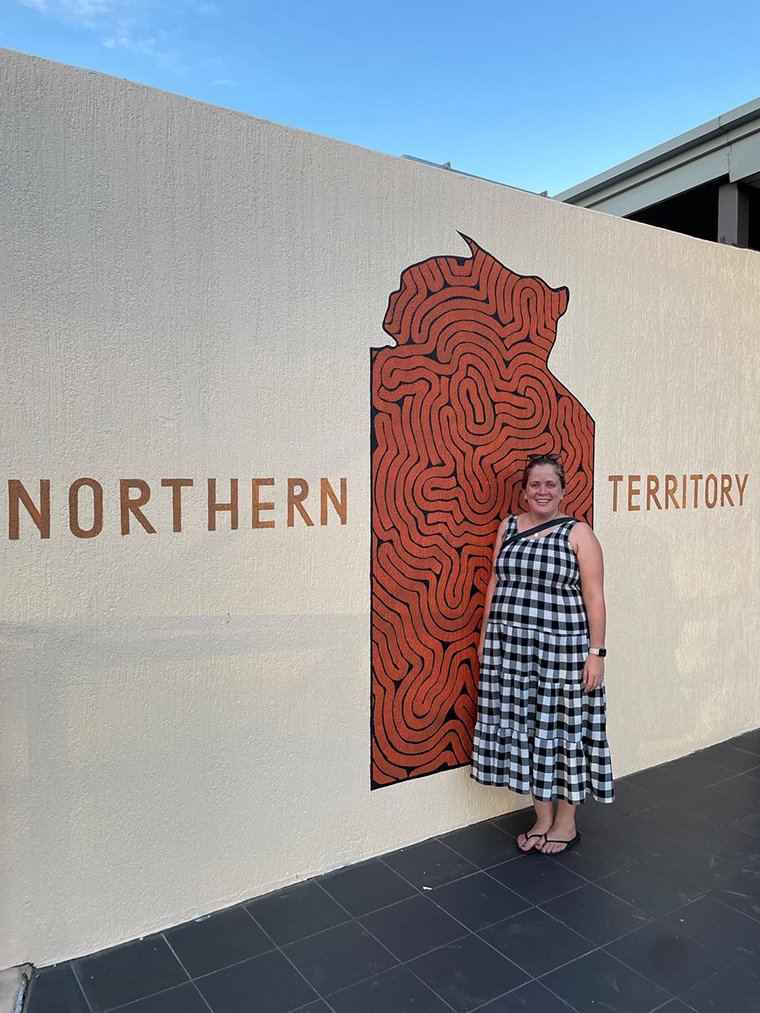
(561, 833)
(535, 838)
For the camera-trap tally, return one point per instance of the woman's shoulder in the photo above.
(582, 533)
(505, 524)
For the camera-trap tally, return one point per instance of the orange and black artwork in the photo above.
(458, 403)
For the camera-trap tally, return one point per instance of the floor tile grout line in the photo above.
(558, 996)
(464, 857)
(422, 889)
(383, 907)
(279, 946)
(534, 903)
(388, 971)
(203, 997)
(227, 967)
(731, 908)
(467, 931)
(81, 986)
(753, 921)
(672, 994)
(177, 957)
(150, 995)
(640, 909)
(285, 955)
(351, 918)
(439, 946)
(298, 971)
(475, 934)
(564, 925)
(430, 988)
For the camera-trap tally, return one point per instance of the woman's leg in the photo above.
(562, 830)
(537, 834)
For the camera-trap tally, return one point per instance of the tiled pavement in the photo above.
(658, 908)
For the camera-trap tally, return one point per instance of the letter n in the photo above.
(17, 494)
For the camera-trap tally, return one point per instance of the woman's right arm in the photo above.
(491, 585)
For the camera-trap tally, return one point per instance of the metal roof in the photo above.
(727, 146)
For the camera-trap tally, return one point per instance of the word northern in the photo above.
(87, 498)
(677, 492)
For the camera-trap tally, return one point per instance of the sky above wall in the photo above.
(539, 95)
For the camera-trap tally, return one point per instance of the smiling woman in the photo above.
(541, 701)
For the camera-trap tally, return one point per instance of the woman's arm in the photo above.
(491, 586)
(591, 565)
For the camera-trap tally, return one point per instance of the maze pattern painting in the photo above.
(458, 403)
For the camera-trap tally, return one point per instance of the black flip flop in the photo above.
(528, 837)
(568, 844)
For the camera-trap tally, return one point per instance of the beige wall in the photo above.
(189, 292)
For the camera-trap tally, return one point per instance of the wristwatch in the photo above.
(601, 652)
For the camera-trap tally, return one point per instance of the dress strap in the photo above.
(510, 529)
(557, 522)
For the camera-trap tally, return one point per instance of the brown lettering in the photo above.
(298, 490)
(671, 484)
(17, 494)
(97, 508)
(725, 490)
(257, 505)
(615, 479)
(633, 491)
(176, 485)
(132, 505)
(696, 479)
(741, 487)
(653, 484)
(214, 508)
(708, 496)
(340, 505)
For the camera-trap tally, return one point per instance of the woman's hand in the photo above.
(593, 672)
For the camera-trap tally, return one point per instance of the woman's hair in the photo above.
(534, 460)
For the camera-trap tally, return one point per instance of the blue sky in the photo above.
(540, 95)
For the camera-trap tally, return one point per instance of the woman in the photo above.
(541, 708)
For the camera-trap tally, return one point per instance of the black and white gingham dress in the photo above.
(537, 729)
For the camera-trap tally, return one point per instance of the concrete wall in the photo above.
(187, 292)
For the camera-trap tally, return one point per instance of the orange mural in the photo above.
(458, 403)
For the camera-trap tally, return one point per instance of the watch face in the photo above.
(602, 652)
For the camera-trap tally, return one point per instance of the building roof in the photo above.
(727, 146)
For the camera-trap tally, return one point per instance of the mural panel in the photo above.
(458, 403)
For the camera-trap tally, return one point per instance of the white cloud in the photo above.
(148, 29)
(79, 12)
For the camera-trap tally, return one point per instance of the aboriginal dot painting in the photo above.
(458, 403)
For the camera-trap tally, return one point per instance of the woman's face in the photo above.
(543, 490)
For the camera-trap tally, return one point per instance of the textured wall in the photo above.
(190, 293)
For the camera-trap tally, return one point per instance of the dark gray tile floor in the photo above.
(658, 908)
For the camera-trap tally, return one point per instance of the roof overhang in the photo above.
(728, 146)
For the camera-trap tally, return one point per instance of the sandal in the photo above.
(528, 837)
(568, 844)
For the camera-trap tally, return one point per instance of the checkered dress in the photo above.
(537, 729)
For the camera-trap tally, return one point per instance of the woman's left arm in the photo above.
(591, 566)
